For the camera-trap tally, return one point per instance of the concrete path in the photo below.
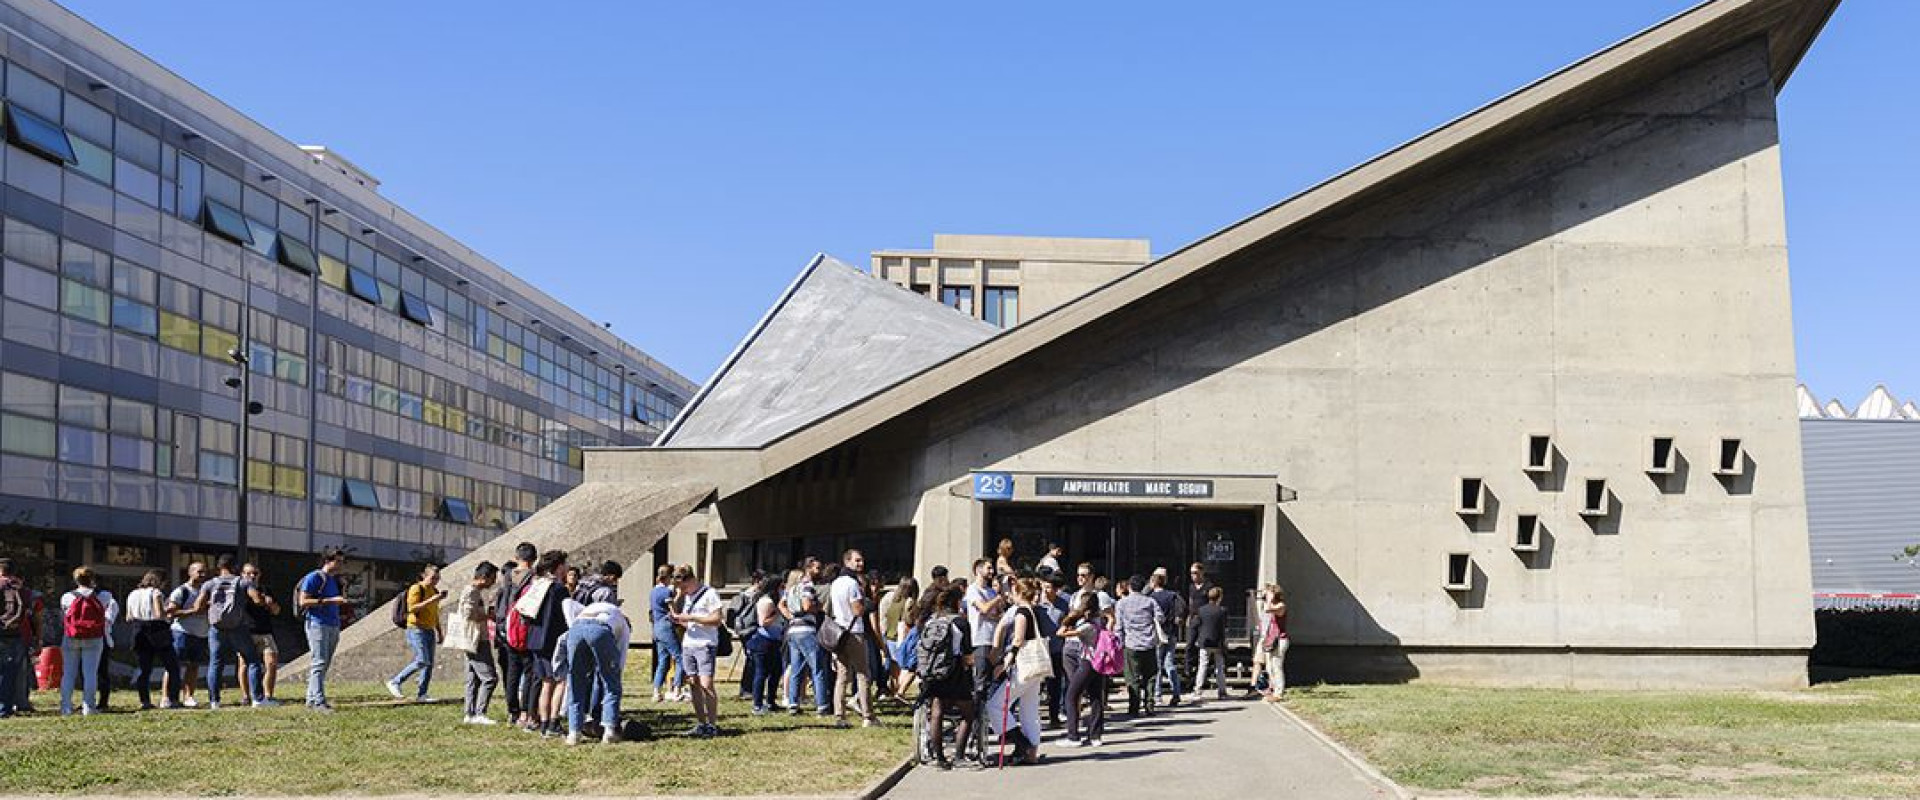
(1222, 748)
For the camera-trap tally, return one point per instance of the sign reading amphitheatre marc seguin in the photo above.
(1121, 487)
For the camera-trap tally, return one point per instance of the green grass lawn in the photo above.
(376, 746)
(1857, 738)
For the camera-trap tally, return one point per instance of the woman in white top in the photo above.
(152, 638)
(1017, 699)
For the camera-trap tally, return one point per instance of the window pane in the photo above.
(26, 436)
(216, 343)
(38, 135)
(88, 120)
(363, 286)
(179, 333)
(131, 417)
(82, 446)
(81, 407)
(32, 245)
(190, 187)
(33, 286)
(131, 316)
(85, 264)
(92, 160)
(30, 396)
(227, 223)
(84, 302)
(34, 92)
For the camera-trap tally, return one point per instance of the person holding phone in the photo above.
(423, 632)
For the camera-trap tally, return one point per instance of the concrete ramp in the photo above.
(593, 523)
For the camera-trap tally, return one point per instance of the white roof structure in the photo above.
(1809, 406)
(1880, 405)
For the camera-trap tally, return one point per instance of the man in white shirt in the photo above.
(849, 606)
(984, 605)
(700, 611)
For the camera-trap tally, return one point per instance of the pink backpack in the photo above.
(1106, 658)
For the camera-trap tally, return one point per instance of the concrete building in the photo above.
(418, 398)
(1002, 280)
(1512, 403)
(1863, 498)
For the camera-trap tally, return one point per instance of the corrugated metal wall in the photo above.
(1863, 503)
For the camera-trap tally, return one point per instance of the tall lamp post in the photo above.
(249, 407)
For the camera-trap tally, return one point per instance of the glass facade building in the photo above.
(418, 400)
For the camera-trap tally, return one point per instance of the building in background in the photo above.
(1002, 280)
(418, 399)
(1863, 498)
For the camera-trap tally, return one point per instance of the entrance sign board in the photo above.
(1220, 550)
(1047, 486)
(993, 486)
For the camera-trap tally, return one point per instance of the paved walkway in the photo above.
(1222, 748)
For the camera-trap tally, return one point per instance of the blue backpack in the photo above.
(910, 650)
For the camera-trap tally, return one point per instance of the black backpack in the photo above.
(935, 650)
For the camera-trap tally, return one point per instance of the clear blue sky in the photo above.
(669, 166)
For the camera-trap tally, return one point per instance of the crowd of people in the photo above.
(993, 653)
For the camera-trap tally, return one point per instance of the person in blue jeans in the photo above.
(319, 599)
(763, 647)
(666, 641)
(230, 635)
(423, 601)
(805, 656)
(596, 647)
(16, 621)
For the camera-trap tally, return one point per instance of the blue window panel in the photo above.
(359, 494)
(226, 223)
(415, 309)
(38, 136)
(456, 510)
(296, 255)
(136, 317)
(363, 286)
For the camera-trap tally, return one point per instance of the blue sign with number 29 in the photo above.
(993, 486)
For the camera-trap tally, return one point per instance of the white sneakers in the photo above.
(393, 688)
(190, 702)
(479, 720)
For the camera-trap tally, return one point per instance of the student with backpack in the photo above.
(15, 623)
(418, 613)
(701, 615)
(941, 656)
(848, 607)
(536, 624)
(319, 599)
(85, 620)
(516, 665)
(223, 603)
(152, 639)
(189, 629)
(1092, 656)
(742, 619)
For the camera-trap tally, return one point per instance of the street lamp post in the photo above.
(248, 408)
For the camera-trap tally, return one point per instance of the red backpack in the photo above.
(86, 617)
(516, 623)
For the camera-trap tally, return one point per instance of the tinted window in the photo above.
(38, 136)
(363, 286)
(296, 254)
(227, 223)
(416, 309)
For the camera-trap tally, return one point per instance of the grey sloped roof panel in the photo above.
(835, 336)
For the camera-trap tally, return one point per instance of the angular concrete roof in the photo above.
(1787, 26)
(836, 335)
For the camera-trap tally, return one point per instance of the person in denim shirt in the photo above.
(318, 597)
(666, 641)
